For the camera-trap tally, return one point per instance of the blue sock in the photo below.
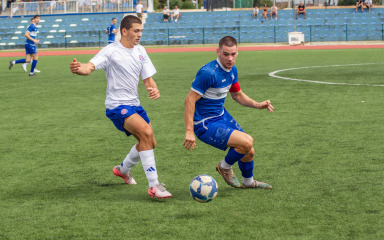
(34, 62)
(233, 156)
(20, 61)
(246, 168)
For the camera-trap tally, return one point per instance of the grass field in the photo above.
(322, 150)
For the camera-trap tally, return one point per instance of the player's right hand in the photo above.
(189, 141)
(74, 66)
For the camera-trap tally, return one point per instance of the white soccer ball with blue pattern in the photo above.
(203, 188)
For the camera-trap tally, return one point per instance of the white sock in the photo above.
(149, 165)
(225, 165)
(248, 181)
(130, 161)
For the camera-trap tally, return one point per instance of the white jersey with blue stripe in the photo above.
(32, 29)
(212, 83)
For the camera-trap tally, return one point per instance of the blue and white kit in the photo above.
(212, 123)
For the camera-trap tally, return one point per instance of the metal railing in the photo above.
(73, 6)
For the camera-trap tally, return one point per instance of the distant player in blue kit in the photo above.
(206, 116)
(111, 31)
(30, 46)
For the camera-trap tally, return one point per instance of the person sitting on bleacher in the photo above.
(360, 4)
(274, 11)
(165, 14)
(265, 11)
(301, 10)
(255, 12)
(368, 4)
(176, 14)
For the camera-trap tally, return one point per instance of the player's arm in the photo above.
(151, 86)
(28, 35)
(240, 97)
(81, 68)
(190, 100)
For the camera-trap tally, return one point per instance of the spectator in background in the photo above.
(139, 10)
(273, 11)
(368, 4)
(81, 5)
(265, 11)
(50, 6)
(165, 14)
(256, 12)
(176, 14)
(301, 10)
(99, 5)
(360, 4)
(111, 31)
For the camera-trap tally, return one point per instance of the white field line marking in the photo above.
(273, 74)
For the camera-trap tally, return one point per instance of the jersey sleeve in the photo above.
(148, 69)
(101, 59)
(202, 81)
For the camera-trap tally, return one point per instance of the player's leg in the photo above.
(143, 131)
(27, 59)
(35, 58)
(124, 169)
(240, 145)
(242, 142)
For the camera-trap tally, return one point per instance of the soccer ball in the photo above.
(203, 188)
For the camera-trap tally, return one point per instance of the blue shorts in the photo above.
(119, 114)
(30, 49)
(216, 131)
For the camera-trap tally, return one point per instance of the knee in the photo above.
(146, 134)
(247, 145)
(249, 156)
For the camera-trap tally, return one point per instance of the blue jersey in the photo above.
(32, 29)
(111, 34)
(212, 82)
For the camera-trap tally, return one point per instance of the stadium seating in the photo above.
(87, 30)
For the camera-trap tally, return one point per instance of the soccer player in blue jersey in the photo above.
(30, 46)
(111, 31)
(206, 116)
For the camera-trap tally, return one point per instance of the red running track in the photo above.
(200, 49)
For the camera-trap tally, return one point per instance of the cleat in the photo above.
(10, 65)
(32, 75)
(228, 175)
(36, 71)
(159, 191)
(257, 184)
(128, 179)
(24, 66)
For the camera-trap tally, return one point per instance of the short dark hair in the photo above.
(227, 41)
(113, 19)
(128, 21)
(36, 16)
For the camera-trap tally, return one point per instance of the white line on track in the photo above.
(273, 74)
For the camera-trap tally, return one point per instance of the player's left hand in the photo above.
(267, 104)
(153, 93)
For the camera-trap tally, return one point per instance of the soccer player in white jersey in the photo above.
(30, 46)
(124, 62)
(206, 116)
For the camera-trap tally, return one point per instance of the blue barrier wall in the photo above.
(87, 30)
